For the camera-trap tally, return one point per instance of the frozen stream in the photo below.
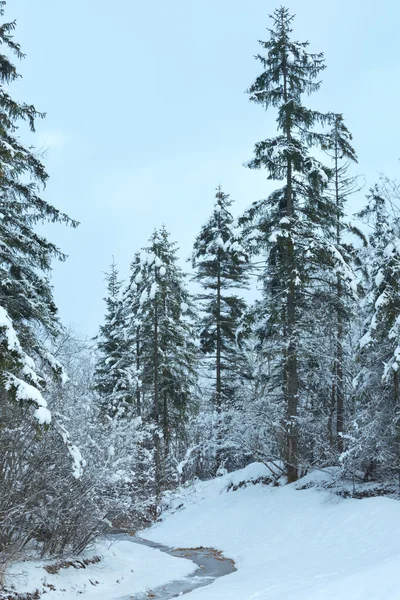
(211, 565)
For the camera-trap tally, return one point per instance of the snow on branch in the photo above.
(24, 391)
(78, 462)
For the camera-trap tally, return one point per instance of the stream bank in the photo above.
(211, 565)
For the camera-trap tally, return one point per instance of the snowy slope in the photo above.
(289, 544)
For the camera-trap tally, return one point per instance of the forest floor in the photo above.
(297, 542)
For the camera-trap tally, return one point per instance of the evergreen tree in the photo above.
(221, 266)
(294, 225)
(40, 498)
(376, 432)
(338, 147)
(132, 303)
(167, 350)
(26, 300)
(113, 380)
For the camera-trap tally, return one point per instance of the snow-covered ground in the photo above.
(125, 569)
(288, 544)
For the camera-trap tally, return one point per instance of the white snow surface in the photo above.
(78, 463)
(42, 415)
(126, 569)
(153, 290)
(9, 331)
(289, 543)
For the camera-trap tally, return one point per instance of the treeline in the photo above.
(307, 376)
(180, 385)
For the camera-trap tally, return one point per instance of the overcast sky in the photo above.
(147, 114)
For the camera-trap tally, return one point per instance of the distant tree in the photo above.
(167, 349)
(221, 266)
(132, 303)
(374, 441)
(113, 379)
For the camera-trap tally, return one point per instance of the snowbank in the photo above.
(125, 569)
(288, 543)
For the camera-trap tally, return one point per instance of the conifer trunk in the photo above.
(339, 384)
(291, 357)
(218, 386)
(138, 396)
(157, 449)
(156, 383)
(339, 379)
(291, 351)
(165, 425)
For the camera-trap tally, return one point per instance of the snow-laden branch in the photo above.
(24, 391)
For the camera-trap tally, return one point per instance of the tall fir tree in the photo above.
(221, 266)
(26, 299)
(295, 225)
(338, 146)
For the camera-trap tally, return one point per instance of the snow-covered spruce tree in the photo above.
(167, 352)
(221, 267)
(132, 302)
(374, 442)
(113, 380)
(35, 461)
(26, 300)
(294, 226)
(144, 484)
(340, 309)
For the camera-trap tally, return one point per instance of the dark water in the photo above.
(211, 565)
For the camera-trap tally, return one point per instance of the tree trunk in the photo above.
(155, 359)
(157, 449)
(290, 366)
(165, 425)
(292, 379)
(339, 384)
(138, 398)
(218, 385)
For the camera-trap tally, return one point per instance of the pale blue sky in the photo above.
(146, 114)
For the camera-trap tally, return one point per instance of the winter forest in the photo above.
(276, 342)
